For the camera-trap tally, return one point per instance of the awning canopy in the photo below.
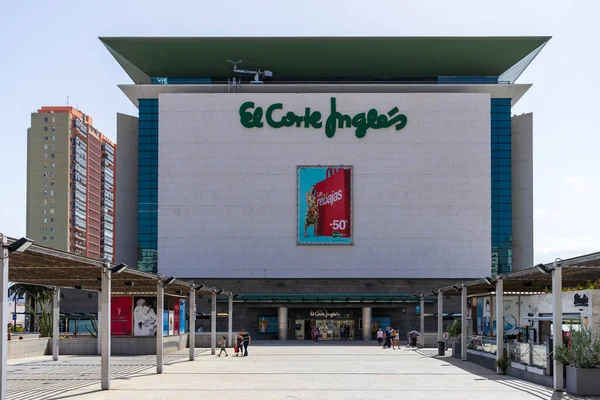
(576, 272)
(44, 266)
(328, 298)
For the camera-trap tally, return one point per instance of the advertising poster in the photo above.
(324, 205)
(268, 324)
(182, 325)
(144, 316)
(380, 322)
(480, 316)
(171, 322)
(120, 318)
(176, 318)
(487, 327)
(166, 322)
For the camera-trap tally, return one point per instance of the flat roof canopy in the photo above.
(322, 57)
(328, 298)
(576, 271)
(44, 266)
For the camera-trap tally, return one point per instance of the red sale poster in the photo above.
(333, 194)
(176, 316)
(121, 316)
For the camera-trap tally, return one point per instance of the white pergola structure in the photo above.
(24, 262)
(572, 272)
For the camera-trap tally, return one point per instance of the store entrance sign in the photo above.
(251, 116)
(324, 314)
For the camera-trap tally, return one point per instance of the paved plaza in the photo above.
(272, 371)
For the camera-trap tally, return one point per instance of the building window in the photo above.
(45, 184)
(52, 211)
(53, 120)
(46, 138)
(45, 193)
(52, 147)
(52, 165)
(45, 220)
(52, 193)
(45, 211)
(52, 155)
(51, 229)
(45, 156)
(45, 174)
(45, 129)
(45, 119)
(53, 137)
(44, 229)
(45, 165)
(52, 183)
(51, 174)
(53, 129)
(45, 147)
(51, 238)
(44, 238)
(45, 201)
(51, 220)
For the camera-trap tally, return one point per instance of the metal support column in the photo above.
(440, 315)
(192, 330)
(499, 320)
(3, 315)
(98, 327)
(230, 322)
(366, 323)
(55, 323)
(557, 324)
(105, 327)
(213, 324)
(160, 316)
(422, 320)
(463, 323)
(282, 323)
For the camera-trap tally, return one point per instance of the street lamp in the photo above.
(20, 245)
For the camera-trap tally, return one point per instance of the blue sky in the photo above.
(50, 51)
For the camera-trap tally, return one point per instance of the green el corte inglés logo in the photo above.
(252, 117)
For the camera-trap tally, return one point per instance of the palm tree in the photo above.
(33, 294)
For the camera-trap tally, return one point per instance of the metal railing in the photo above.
(532, 354)
(486, 344)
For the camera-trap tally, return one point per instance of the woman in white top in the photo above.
(380, 337)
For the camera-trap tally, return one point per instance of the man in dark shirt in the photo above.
(246, 340)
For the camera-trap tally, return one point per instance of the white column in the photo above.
(99, 333)
(230, 322)
(557, 323)
(105, 327)
(463, 323)
(160, 314)
(213, 325)
(3, 314)
(55, 323)
(283, 323)
(422, 320)
(440, 315)
(366, 323)
(499, 320)
(192, 330)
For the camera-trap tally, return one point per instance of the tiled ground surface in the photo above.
(273, 371)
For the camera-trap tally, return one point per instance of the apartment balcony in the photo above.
(79, 245)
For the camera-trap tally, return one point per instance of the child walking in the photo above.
(223, 343)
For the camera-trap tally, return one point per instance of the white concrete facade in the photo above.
(421, 195)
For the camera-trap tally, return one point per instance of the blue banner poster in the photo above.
(182, 324)
(268, 324)
(380, 322)
(166, 322)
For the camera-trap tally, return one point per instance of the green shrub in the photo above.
(584, 351)
(455, 330)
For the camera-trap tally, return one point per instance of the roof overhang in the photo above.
(324, 57)
(44, 266)
(329, 298)
(576, 271)
(514, 92)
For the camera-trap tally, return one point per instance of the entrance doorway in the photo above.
(330, 329)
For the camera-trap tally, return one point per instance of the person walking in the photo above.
(380, 337)
(393, 338)
(388, 338)
(246, 341)
(342, 332)
(348, 332)
(315, 333)
(446, 338)
(238, 345)
(222, 344)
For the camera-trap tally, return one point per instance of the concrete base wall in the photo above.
(488, 363)
(28, 348)
(86, 346)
